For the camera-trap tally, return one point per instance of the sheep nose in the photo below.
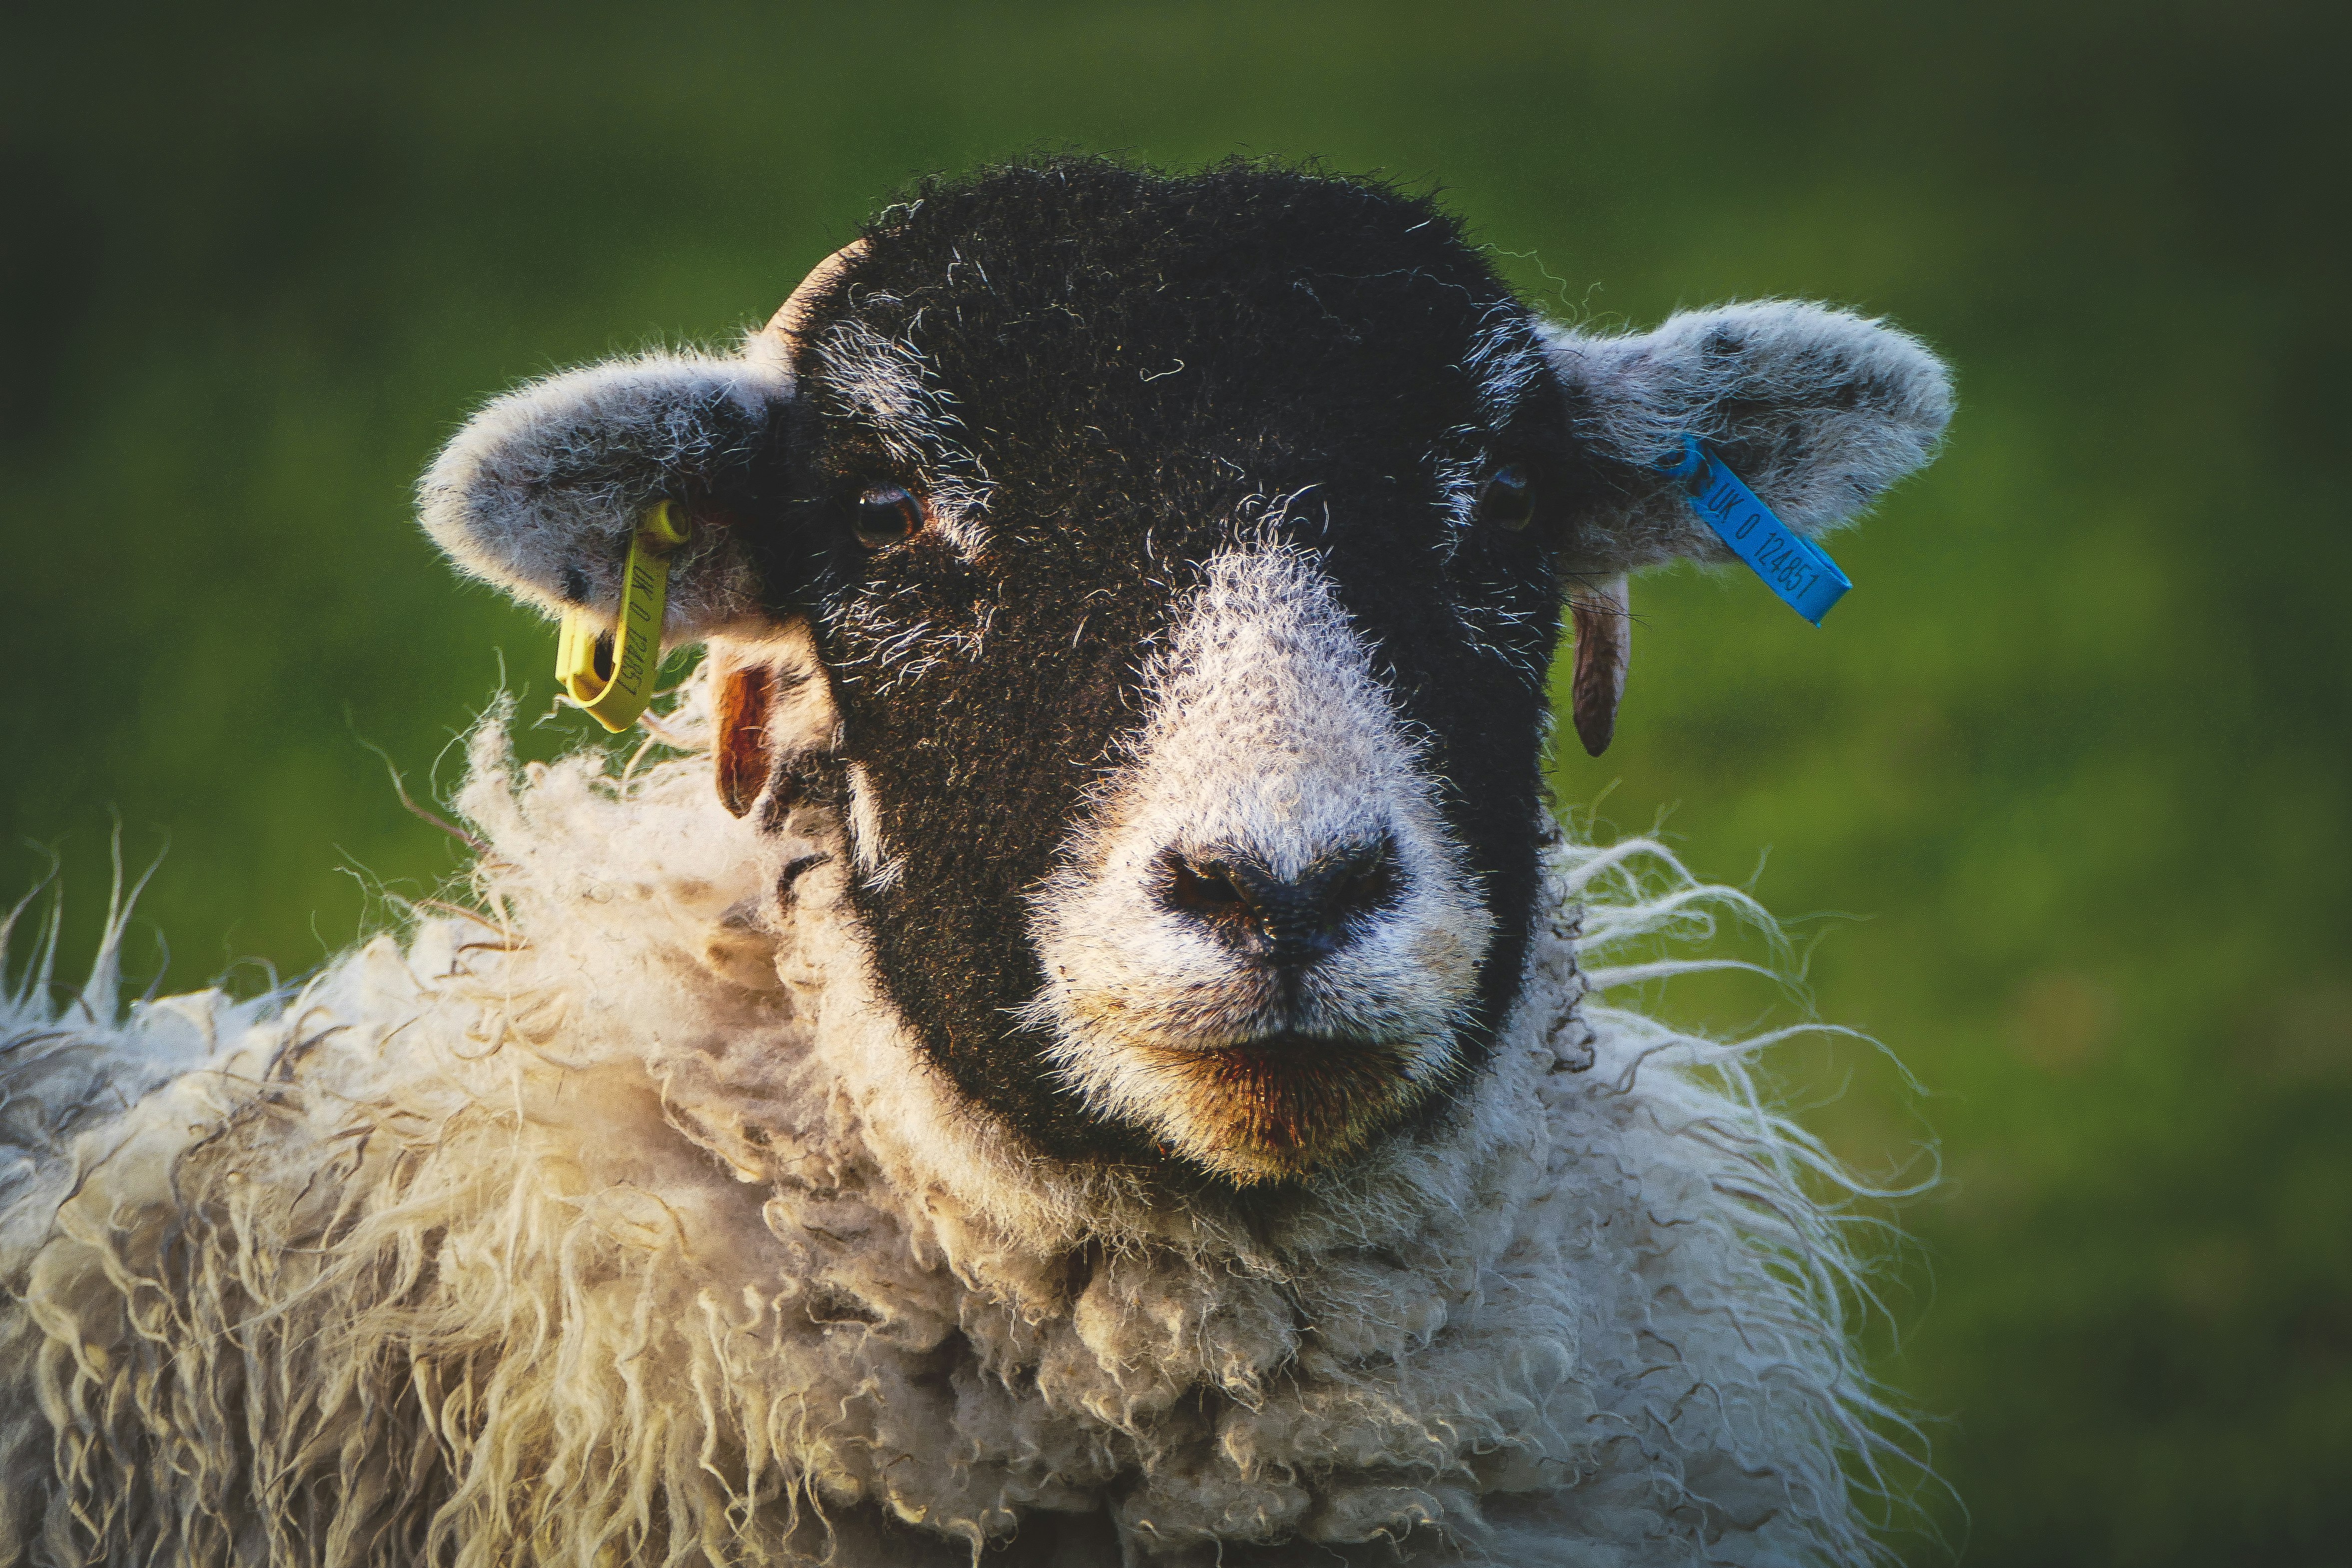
(1285, 922)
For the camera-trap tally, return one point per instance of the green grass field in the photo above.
(2058, 804)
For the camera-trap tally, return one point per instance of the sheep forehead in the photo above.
(1134, 320)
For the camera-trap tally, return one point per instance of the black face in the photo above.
(1031, 413)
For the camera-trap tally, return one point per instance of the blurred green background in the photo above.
(2059, 801)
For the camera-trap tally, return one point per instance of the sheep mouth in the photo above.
(1284, 1104)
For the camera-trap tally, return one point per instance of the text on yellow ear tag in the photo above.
(611, 674)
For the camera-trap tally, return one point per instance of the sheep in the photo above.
(1121, 1068)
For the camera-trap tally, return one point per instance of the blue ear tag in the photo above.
(1796, 568)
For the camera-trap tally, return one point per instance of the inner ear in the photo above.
(746, 696)
(1604, 646)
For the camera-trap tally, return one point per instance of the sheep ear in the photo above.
(540, 490)
(1604, 647)
(744, 697)
(1818, 410)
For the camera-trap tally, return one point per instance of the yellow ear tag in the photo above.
(611, 674)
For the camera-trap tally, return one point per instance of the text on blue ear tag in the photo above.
(1796, 568)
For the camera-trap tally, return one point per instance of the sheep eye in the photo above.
(1507, 499)
(886, 515)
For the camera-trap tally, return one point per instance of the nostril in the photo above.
(1277, 919)
(1202, 887)
(1355, 881)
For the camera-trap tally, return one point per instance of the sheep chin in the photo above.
(1284, 1107)
(1268, 1106)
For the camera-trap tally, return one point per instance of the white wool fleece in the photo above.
(570, 1233)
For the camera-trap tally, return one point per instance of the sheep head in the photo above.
(1184, 558)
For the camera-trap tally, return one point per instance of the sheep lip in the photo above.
(1336, 1067)
(1295, 1043)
